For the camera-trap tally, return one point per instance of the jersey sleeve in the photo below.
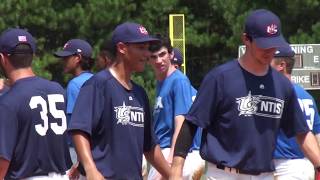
(72, 93)
(293, 120)
(205, 105)
(316, 123)
(150, 139)
(182, 95)
(88, 108)
(8, 132)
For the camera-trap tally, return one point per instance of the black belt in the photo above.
(238, 171)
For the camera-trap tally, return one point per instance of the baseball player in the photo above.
(241, 105)
(177, 59)
(32, 116)
(111, 121)
(173, 99)
(290, 162)
(77, 59)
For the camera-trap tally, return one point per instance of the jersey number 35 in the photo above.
(57, 114)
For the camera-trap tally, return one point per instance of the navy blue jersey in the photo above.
(4, 90)
(241, 113)
(118, 122)
(33, 128)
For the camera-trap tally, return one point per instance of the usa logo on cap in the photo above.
(143, 30)
(22, 38)
(272, 29)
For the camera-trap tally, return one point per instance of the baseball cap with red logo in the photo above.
(264, 27)
(129, 32)
(12, 37)
(74, 47)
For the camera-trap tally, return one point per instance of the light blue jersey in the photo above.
(287, 148)
(197, 138)
(174, 97)
(73, 89)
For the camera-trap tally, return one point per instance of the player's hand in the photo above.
(175, 175)
(94, 174)
(74, 173)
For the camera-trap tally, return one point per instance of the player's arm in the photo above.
(4, 165)
(183, 143)
(178, 121)
(155, 157)
(318, 138)
(82, 145)
(310, 147)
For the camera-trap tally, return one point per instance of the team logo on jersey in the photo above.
(260, 106)
(129, 115)
(158, 105)
(193, 98)
(272, 29)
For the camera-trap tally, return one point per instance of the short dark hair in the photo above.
(107, 50)
(164, 42)
(249, 37)
(22, 56)
(86, 63)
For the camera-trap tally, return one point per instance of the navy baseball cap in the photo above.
(74, 47)
(264, 27)
(285, 51)
(177, 58)
(129, 32)
(12, 37)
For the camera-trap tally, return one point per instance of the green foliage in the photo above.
(213, 27)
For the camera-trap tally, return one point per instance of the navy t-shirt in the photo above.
(241, 113)
(33, 128)
(118, 122)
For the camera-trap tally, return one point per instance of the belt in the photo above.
(237, 171)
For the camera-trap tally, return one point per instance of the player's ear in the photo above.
(246, 39)
(282, 65)
(78, 57)
(1, 58)
(122, 47)
(171, 55)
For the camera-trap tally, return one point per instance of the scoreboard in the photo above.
(306, 71)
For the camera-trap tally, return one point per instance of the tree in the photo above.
(213, 27)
